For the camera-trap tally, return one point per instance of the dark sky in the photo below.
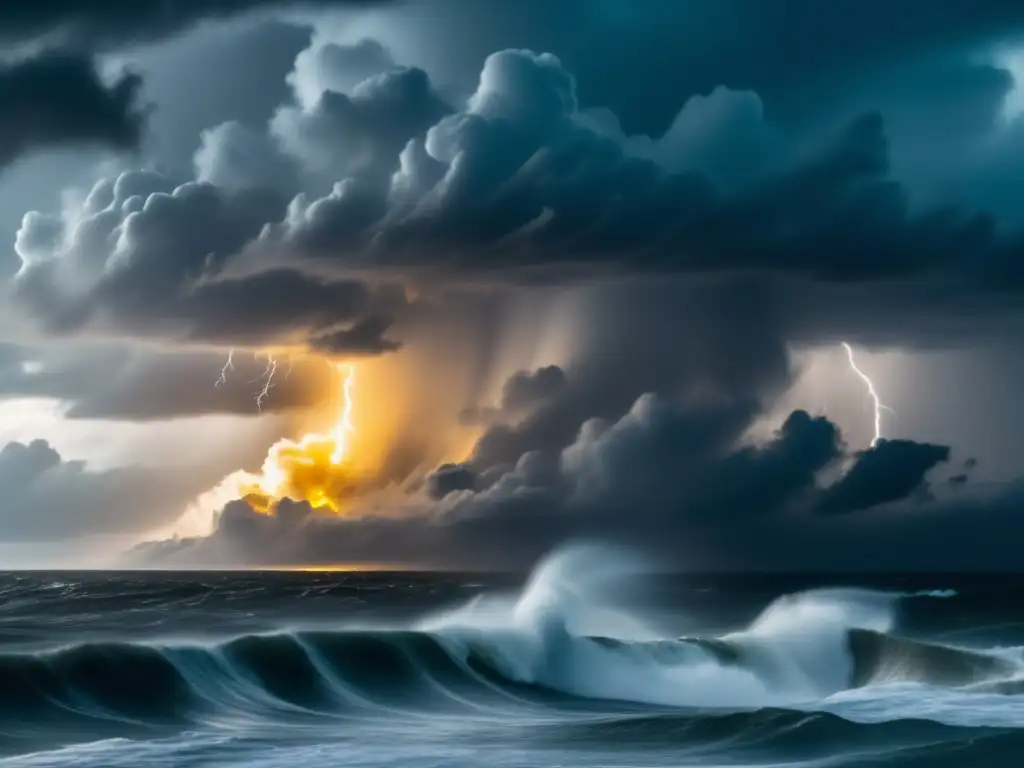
(620, 242)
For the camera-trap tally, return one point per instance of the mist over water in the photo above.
(598, 658)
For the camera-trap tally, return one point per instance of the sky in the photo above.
(445, 284)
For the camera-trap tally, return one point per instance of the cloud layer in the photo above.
(598, 259)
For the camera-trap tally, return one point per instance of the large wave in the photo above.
(567, 641)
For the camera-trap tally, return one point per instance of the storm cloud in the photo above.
(592, 244)
(656, 478)
(53, 100)
(518, 182)
(102, 24)
(49, 498)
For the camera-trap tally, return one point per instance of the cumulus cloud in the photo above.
(656, 477)
(331, 66)
(836, 57)
(526, 388)
(708, 245)
(49, 498)
(360, 132)
(529, 182)
(517, 181)
(146, 258)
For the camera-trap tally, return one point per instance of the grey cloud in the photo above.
(366, 337)
(149, 260)
(111, 23)
(52, 100)
(675, 339)
(529, 185)
(338, 68)
(889, 471)
(235, 157)
(118, 383)
(48, 498)
(518, 183)
(521, 391)
(526, 388)
(804, 58)
(361, 132)
(658, 477)
(449, 478)
(232, 73)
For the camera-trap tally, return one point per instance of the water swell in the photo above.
(430, 671)
(562, 647)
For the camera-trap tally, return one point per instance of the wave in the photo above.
(556, 646)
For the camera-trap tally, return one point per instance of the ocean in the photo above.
(588, 661)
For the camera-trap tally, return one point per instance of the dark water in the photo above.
(374, 669)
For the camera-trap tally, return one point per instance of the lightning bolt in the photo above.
(876, 401)
(268, 381)
(229, 365)
(344, 427)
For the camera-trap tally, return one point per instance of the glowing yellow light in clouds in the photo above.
(317, 468)
(344, 427)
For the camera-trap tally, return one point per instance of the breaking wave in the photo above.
(560, 644)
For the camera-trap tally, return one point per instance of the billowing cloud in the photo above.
(837, 57)
(361, 133)
(889, 471)
(605, 277)
(519, 182)
(661, 477)
(337, 68)
(48, 498)
(145, 258)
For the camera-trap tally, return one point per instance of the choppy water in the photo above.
(586, 664)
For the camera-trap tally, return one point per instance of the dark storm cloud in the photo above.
(802, 56)
(522, 391)
(53, 100)
(889, 471)
(655, 478)
(147, 259)
(366, 337)
(674, 339)
(449, 478)
(109, 23)
(49, 498)
(769, 202)
(526, 388)
(515, 185)
(234, 73)
(146, 384)
(363, 133)
(528, 184)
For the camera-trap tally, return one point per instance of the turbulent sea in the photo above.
(587, 662)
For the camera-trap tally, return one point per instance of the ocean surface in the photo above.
(588, 661)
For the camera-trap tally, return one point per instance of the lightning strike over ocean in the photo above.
(268, 381)
(229, 365)
(316, 468)
(877, 404)
(344, 427)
